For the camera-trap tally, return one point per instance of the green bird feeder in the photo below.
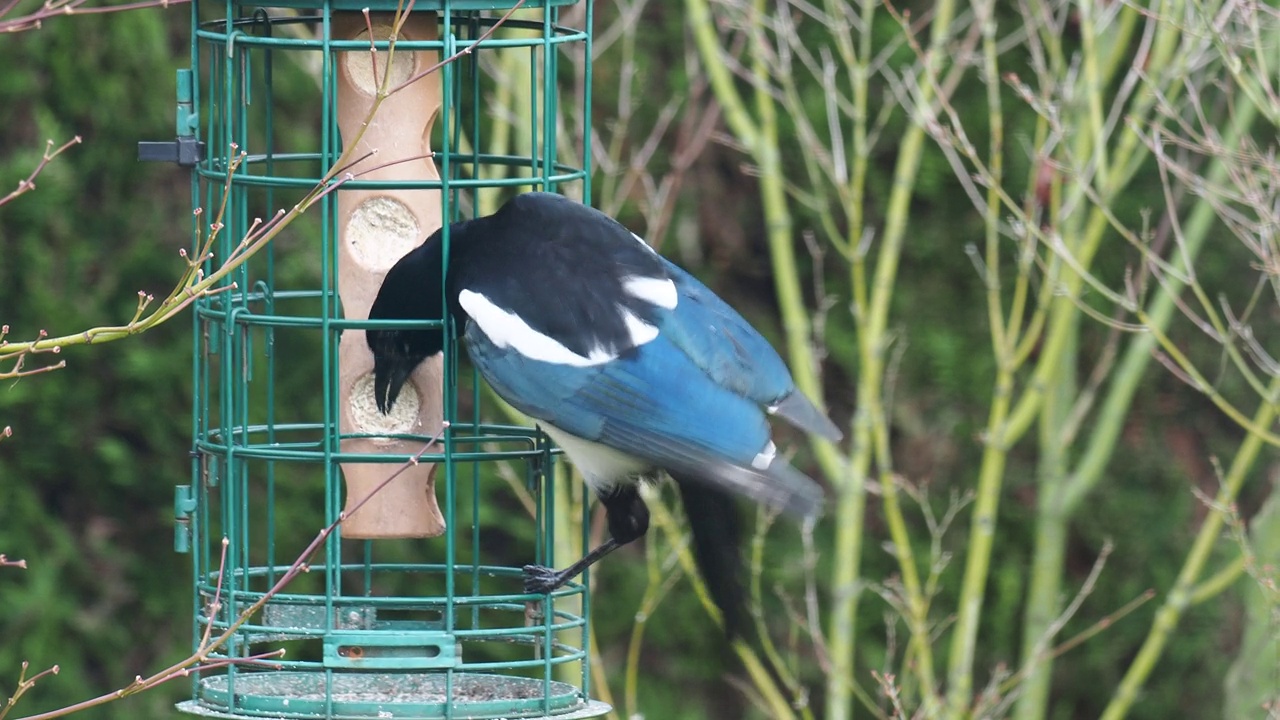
(399, 614)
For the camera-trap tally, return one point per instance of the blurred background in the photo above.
(86, 480)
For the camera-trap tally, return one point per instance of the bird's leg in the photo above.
(628, 520)
(541, 580)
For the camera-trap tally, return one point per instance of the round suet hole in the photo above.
(360, 66)
(381, 230)
(401, 419)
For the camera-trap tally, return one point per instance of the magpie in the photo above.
(627, 362)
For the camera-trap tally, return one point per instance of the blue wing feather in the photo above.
(655, 405)
(652, 402)
(735, 356)
(722, 343)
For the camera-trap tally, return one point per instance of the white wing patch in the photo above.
(765, 457)
(646, 245)
(506, 329)
(640, 331)
(655, 291)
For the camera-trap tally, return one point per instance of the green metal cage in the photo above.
(401, 627)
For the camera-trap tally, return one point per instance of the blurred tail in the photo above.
(717, 539)
(800, 412)
(778, 486)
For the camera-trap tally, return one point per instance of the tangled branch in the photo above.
(64, 8)
(195, 282)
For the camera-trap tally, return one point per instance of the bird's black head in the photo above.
(411, 291)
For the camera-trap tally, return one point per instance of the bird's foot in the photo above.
(540, 580)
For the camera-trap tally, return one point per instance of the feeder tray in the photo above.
(475, 696)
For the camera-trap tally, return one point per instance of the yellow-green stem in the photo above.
(1220, 582)
(1044, 596)
(873, 341)
(759, 134)
(761, 679)
(1093, 89)
(652, 594)
(1180, 595)
(981, 540)
(851, 494)
(1106, 430)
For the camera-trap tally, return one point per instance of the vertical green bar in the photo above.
(533, 117)
(586, 102)
(330, 150)
(197, 527)
(548, 150)
(226, 409)
(549, 105)
(474, 30)
(586, 199)
(269, 304)
(207, 337)
(448, 107)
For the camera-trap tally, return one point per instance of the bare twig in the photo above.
(19, 357)
(6, 562)
(467, 50)
(1089, 632)
(24, 684)
(67, 8)
(28, 183)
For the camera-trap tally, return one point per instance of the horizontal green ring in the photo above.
(559, 36)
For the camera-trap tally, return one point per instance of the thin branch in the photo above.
(19, 357)
(28, 183)
(24, 684)
(1089, 632)
(464, 51)
(63, 8)
(4, 559)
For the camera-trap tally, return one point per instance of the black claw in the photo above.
(540, 580)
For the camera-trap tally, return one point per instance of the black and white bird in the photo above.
(631, 365)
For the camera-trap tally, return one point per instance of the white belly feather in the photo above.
(602, 467)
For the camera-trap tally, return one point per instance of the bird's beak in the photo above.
(388, 378)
